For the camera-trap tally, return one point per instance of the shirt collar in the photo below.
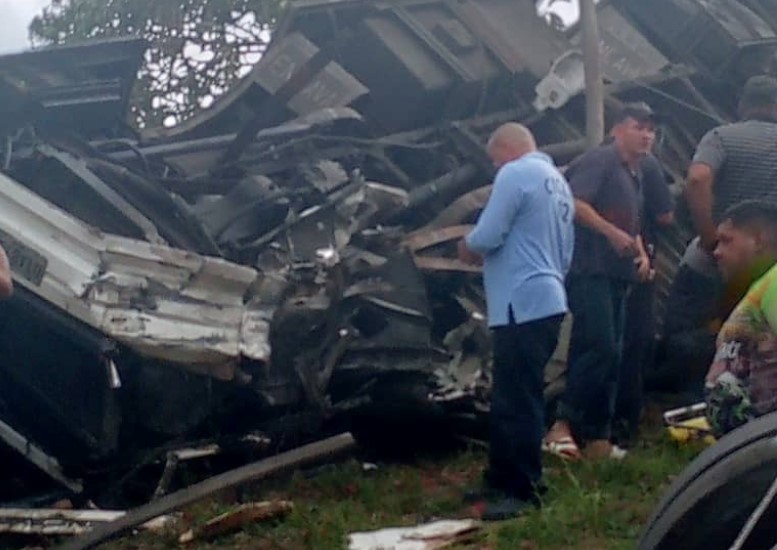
(539, 155)
(636, 172)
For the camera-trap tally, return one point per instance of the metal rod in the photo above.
(752, 521)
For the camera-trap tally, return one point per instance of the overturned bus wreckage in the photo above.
(286, 258)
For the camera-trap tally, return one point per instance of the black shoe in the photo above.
(506, 508)
(624, 434)
(482, 492)
(489, 489)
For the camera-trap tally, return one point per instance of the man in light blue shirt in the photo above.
(525, 239)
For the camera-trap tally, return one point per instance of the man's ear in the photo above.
(761, 239)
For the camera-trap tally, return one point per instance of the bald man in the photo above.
(524, 238)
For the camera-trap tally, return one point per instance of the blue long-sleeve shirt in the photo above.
(526, 236)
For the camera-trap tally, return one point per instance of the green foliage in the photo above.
(198, 48)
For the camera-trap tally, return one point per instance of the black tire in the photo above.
(710, 501)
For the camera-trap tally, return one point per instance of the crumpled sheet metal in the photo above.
(162, 302)
(350, 319)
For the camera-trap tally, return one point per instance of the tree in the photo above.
(198, 48)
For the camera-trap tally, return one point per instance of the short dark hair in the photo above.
(639, 111)
(754, 213)
(759, 92)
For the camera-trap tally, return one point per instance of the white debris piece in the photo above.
(421, 537)
(164, 303)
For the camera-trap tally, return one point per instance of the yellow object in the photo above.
(692, 429)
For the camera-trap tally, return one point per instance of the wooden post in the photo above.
(594, 87)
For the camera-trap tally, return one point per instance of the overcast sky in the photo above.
(15, 16)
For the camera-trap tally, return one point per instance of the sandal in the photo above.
(565, 448)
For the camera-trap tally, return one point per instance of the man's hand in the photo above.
(645, 273)
(467, 256)
(624, 244)
(708, 243)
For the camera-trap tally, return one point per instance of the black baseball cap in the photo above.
(640, 111)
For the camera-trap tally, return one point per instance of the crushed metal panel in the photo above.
(506, 27)
(331, 87)
(720, 37)
(165, 303)
(285, 60)
(626, 53)
(111, 197)
(60, 395)
(85, 86)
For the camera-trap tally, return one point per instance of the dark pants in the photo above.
(597, 304)
(688, 344)
(638, 347)
(517, 404)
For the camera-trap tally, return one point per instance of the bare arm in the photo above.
(699, 192)
(6, 282)
(588, 217)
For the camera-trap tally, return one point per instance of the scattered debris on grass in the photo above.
(234, 520)
(432, 536)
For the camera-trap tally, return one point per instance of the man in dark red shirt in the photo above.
(609, 256)
(640, 325)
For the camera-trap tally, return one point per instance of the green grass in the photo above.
(588, 506)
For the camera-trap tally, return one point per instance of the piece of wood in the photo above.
(44, 514)
(234, 520)
(428, 238)
(431, 263)
(594, 86)
(55, 522)
(462, 209)
(284, 462)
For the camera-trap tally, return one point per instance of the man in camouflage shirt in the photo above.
(742, 381)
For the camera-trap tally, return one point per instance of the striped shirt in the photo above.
(743, 156)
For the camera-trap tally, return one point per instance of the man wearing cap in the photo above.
(640, 324)
(609, 256)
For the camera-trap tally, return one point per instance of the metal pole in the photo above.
(594, 87)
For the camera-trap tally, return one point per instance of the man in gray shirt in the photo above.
(735, 162)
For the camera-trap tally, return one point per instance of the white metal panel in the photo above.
(163, 302)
